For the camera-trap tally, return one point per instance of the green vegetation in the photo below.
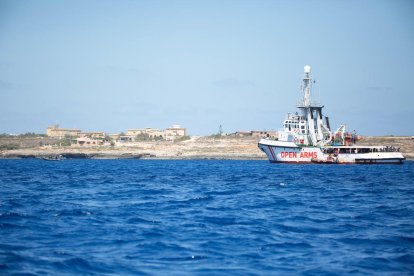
(183, 138)
(31, 134)
(142, 137)
(25, 135)
(65, 142)
(146, 137)
(216, 136)
(9, 147)
(107, 138)
(157, 138)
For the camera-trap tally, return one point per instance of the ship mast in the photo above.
(317, 132)
(307, 86)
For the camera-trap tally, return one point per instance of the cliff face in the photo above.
(195, 148)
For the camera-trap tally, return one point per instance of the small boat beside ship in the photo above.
(57, 157)
(307, 138)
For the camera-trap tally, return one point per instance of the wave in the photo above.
(129, 217)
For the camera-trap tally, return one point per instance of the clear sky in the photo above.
(116, 65)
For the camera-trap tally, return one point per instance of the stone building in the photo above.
(171, 133)
(151, 132)
(55, 131)
(86, 142)
(94, 134)
(174, 132)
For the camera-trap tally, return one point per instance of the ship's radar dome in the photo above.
(307, 69)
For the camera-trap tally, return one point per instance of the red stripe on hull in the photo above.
(272, 152)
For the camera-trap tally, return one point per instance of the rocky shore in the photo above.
(194, 148)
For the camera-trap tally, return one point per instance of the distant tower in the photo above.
(220, 130)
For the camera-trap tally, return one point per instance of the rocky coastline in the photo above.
(232, 148)
(194, 148)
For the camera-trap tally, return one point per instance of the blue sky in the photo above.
(115, 65)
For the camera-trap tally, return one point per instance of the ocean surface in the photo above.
(204, 217)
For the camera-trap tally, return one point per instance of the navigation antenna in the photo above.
(307, 80)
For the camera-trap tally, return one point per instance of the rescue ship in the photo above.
(306, 137)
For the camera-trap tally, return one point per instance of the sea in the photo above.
(204, 217)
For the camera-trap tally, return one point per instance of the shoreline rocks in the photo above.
(231, 148)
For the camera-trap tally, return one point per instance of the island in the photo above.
(232, 147)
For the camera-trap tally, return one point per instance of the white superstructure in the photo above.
(306, 137)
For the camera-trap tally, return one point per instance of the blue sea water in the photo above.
(203, 217)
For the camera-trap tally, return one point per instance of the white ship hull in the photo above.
(289, 152)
